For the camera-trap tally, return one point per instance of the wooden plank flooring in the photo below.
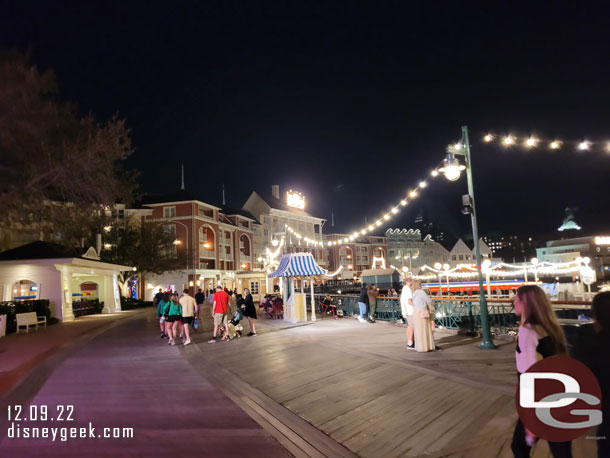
(359, 386)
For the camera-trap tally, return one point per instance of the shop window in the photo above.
(25, 290)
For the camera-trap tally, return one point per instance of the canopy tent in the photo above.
(298, 265)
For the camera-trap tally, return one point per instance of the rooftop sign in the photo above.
(602, 240)
(295, 199)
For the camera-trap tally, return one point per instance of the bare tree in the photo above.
(56, 169)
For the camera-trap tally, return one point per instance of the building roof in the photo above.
(181, 195)
(278, 204)
(40, 250)
(232, 211)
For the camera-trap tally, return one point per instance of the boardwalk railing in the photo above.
(463, 315)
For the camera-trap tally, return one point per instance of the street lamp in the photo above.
(452, 169)
(534, 262)
(438, 266)
(446, 268)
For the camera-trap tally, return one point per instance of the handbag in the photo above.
(196, 324)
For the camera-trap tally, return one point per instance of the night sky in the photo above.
(349, 102)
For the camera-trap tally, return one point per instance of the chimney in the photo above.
(275, 191)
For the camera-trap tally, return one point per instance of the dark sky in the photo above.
(349, 102)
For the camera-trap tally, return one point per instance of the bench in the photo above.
(30, 319)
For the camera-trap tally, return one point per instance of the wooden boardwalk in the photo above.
(336, 382)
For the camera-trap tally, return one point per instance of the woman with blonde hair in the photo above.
(423, 314)
(540, 336)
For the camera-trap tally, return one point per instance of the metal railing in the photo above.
(463, 315)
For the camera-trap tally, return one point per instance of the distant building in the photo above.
(511, 248)
(363, 253)
(463, 254)
(217, 242)
(275, 212)
(407, 249)
(596, 248)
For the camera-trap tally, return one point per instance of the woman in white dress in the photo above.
(423, 314)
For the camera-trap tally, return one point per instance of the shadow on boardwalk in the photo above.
(360, 386)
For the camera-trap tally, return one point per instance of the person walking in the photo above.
(423, 312)
(540, 336)
(221, 310)
(188, 305)
(591, 348)
(249, 311)
(406, 306)
(363, 304)
(372, 292)
(210, 301)
(163, 313)
(174, 319)
(199, 300)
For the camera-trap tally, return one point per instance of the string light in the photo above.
(530, 142)
(552, 143)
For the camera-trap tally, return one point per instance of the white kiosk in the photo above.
(300, 266)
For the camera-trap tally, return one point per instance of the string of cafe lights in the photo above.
(532, 141)
(451, 171)
(517, 270)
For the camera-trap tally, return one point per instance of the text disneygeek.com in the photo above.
(21, 418)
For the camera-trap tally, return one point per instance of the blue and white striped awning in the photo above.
(298, 265)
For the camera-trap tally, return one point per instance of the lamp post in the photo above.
(438, 267)
(452, 169)
(534, 262)
(446, 268)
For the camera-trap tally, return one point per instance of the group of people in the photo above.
(367, 303)
(177, 314)
(418, 314)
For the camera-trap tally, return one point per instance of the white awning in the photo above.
(298, 265)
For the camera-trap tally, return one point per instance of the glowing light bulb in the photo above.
(583, 146)
(355, 234)
(458, 146)
(531, 141)
(554, 144)
(423, 184)
(403, 202)
(378, 222)
(434, 173)
(386, 217)
(488, 138)
(508, 140)
(371, 227)
(413, 193)
(395, 210)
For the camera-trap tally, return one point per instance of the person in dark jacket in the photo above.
(591, 348)
(249, 311)
(363, 304)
